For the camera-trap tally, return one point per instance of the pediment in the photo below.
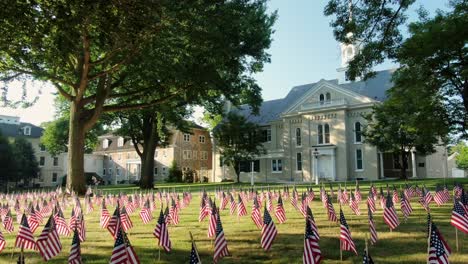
(333, 96)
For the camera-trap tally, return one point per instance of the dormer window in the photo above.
(105, 143)
(321, 98)
(27, 130)
(328, 98)
(120, 142)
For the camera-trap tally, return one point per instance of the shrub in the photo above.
(175, 174)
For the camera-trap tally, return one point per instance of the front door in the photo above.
(325, 167)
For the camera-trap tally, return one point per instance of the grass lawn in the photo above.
(407, 244)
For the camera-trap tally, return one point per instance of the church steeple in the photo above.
(347, 51)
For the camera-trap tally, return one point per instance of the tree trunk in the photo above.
(151, 137)
(237, 169)
(76, 144)
(404, 164)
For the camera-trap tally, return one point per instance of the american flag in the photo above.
(395, 198)
(256, 215)
(354, 204)
(220, 246)
(457, 190)
(331, 211)
(293, 199)
(212, 222)
(373, 190)
(357, 193)
(269, 231)
(279, 212)
(203, 212)
(2, 242)
(132, 256)
(426, 198)
(105, 216)
(372, 228)
(345, 196)
(367, 259)
(114, 223)
(194, 259)
(162, 233)
(232, 208)
(75, 250)
(405, 206)
(269, 202)
(80, 224)
(459, 217)
(48, 242)
(390, 215)
(241, 211)
(119, 253)
(8, 222)
(346, 242)
(224, 201)
(371, 202)
(33, 222)
(312, 253)
(310, 218)
(125, 220)
(439, 251)
(382, 199)
(25, 237)
(145, 213)
(441, 196)
(174, 213)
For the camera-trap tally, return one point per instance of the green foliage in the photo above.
(7, 161)
(190, 176)
(175, 173)
(211, 119)
(27, 166)
(238, 140)
(462, 158)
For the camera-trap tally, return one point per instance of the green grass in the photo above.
(407, 244)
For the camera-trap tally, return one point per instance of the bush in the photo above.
(205, 179)
(227, 180)
(91, 179)
(189, 176)
(175, 174)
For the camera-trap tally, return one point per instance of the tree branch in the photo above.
(116, 107)
(62, 92)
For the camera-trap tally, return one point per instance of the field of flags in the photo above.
(277, 224)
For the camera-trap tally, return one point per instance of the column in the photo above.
(315, 168)
(381, 165)
(333, 160)
(413, 163)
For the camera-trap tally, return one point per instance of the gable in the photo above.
(332, 95)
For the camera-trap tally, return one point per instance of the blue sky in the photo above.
(303, 51)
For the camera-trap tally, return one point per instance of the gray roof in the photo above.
(374, 88)
(16, 130)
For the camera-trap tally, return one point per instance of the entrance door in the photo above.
(325, 167)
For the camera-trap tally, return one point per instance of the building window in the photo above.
(104, 172)
(204, 155)
(155, 171)
(421, 164)
(187, 137)
(266, 135)
(201, 139)
(299, 161)
(328, 98)
(327, 134)
(41, 161)
(298, 137)
(117, 171)
(56, 161)
(187, 154)
(54, 177)
(42, 147)
(164, 170)
(357, 132)
(276, 165)
(246, 166)
(194, 154)
(27, 131)
(358, 159)
(120, 142)
(321, 99)
(110, 172)
(320, 134)
(105, 143)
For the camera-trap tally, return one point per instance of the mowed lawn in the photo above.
(407, 244)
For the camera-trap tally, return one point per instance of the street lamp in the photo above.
(316, 154)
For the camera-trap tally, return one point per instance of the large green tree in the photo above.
(7, 161)
(462, 157)
(106, 56)
(401, 124)
(433, 57)
(27, 167)
(238, 141)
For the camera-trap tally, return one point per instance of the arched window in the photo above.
(320, 134)
(328, 98)
(321, 98)
(298, 137)
(357, 132)
(327, 134)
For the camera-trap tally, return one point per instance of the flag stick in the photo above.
(429, 239)
(341, 252)
(195, 246)
(456, 238)
(159, 254)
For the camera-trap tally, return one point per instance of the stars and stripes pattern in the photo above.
(312, 253)
(241, 211)
(8, 222)
(269, 231)
(405, 206)
(212, 222)
(48, 242)
(220, 246)
(25, 237)
(125, 220)
(390, 215)
(346, 241)
(459, 217)
(75, 250)
(203, 212)
(256, 215)
(330, 210)
(60, 223)
(371, 201)
(279, 211)
(372, 229)
(162, 233)
(441, 196)
(439, 251)
(194, 258)
(105, 216)
(2, 242)
(119, 253)
(367, 259)
(114, 223)
(232, 208)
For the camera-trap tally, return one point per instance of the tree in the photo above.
(7, 161)
(149, 129)
(432, 58)
(27, 165)
(238, 140)
(462, 157)
(401, 124)
(107, 56)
